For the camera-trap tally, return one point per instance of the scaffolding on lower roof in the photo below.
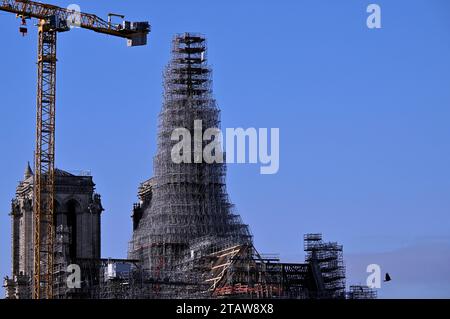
(326, 258)
(216, 267)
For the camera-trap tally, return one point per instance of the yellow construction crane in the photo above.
(52, 20)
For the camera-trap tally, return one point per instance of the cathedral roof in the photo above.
(59, 172)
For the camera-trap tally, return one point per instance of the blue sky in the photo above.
(363, 117)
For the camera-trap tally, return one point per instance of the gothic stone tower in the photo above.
(183, 202)
(77, 228)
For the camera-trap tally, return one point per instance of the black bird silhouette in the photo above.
(387, 278)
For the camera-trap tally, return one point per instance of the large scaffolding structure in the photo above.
(188, 200)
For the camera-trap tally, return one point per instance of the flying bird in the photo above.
(387, 278)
